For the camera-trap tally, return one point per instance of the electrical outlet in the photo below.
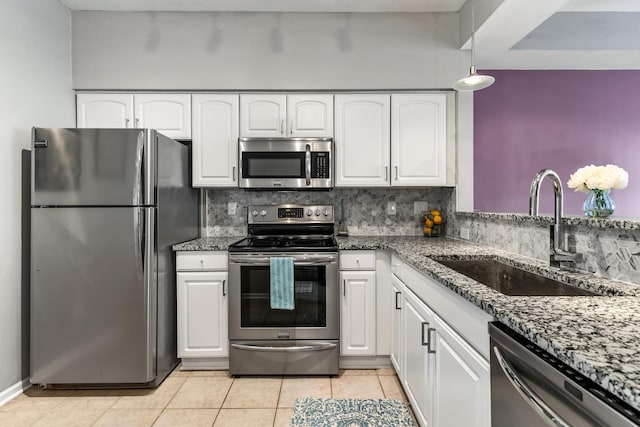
(232, 208)
(419, 207)
(391, 208)
(464, 233)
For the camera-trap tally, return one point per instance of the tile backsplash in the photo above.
(365, 208)
(605, 251)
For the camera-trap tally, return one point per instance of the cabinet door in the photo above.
(310, 115)
(103, 110)
(417, 363)
(263, 116)
(215, 140)
(419, 139)
(396, 326)
(169, 114)
(462, 395)
(202, 314)
(358, 313)
(362, 140)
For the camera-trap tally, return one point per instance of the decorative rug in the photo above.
(312, 412)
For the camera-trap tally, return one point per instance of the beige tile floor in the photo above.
(196, 398)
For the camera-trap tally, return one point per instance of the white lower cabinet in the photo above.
(418, 364)
(462, 381)
(202, 284)
(396, 326)
(446, 380)
(358, 303)
(358, 313)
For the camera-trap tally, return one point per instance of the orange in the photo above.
(427, 231)
(428, 223)
(437, 219)
(435, 212)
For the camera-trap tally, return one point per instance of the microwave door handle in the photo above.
(307, 164)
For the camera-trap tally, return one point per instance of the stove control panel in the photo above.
(282, 214)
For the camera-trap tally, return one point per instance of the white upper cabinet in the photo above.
(168, 113)
(263, 116)
(280, 115)
(398, 140)
(362, 139)
(419, 139)
(215, 140)
(310, 115)
(104, 110)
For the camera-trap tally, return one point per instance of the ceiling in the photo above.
(510, 34)
(269, 5)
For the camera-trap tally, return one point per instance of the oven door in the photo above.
(285, 163)
(317, 309)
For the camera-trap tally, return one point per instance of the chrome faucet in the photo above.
(558, 256)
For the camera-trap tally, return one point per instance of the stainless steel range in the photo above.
(271, 341)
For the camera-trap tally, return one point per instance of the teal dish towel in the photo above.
(282, 284)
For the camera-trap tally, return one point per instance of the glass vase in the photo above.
(598, 204)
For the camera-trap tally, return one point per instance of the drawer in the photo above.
(357, 260)
(201, 260)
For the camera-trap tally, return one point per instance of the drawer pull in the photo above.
(423, 334)
(397, 295)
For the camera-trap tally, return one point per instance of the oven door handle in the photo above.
(307, 164)
(297, 349)
(550, 416)
(265, 261)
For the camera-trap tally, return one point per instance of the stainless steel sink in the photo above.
(511, 280)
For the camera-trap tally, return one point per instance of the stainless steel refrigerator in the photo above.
(106, 206)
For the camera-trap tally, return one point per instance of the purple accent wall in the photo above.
(562, 120)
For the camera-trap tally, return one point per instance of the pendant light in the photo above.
(473, 81)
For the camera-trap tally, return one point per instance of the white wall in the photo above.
(249, 51)
(35, 88)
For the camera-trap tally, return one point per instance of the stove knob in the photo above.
(310, 212)
(326, 212)
(263, 213)
(317, 212)
(254, 213)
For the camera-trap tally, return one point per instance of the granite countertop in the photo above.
(207, 244)
(599, 336)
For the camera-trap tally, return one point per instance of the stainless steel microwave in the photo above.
(291, 163)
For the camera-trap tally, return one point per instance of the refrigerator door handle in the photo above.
(149, 158)
(137, 184)
(138, 234)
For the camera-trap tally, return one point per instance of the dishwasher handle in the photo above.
(550, 416)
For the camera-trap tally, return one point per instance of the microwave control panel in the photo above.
(320, 164)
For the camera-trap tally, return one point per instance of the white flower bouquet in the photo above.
(601, 178)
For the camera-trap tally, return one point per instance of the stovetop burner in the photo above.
(288, 228)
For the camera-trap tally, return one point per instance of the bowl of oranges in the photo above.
(433, 223)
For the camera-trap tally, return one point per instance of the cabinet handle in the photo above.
(291, 127)
(423, 334)
(429, 340)
(126, 123)
(282, 126)
(397, 306)
(386, 173)
(137, 122)
(396, 173)
(358, 262)
(224, 286)
(344, 287)
(233, 173)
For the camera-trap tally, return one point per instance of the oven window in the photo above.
(310, 299)
(273, 165)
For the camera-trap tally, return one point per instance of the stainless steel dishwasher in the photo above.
(531, 388)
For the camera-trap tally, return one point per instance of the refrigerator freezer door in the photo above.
(93, 167)
(93, 295)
